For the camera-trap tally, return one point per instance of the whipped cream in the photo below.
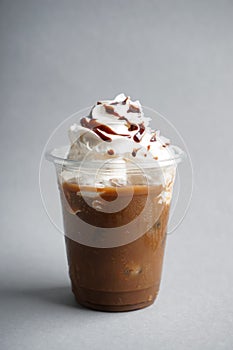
(118, 129)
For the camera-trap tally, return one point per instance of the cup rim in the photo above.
(53, 156)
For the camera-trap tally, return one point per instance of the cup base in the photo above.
(115, 308)
(118, 303)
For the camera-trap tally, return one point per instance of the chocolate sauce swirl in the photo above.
(100, 129)
(138, 136)
(121, 122)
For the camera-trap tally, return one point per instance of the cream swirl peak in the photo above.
(118, 128)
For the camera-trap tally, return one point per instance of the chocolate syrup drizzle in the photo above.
(101, 130)
(97, 127)
(135, 150)
(133, 109)
(153, 138)
(110, 110)
(138, 136)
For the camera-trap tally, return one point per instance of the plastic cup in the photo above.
(115, 217)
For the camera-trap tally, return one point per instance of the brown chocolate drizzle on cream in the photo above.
(113, 120)
(138, 136)
(133, 109)
(135, 150)
(111, 152)
(132, 127)
(123, 118)
(126, 99)
(153, 138)
(99, 128)
(110, 110)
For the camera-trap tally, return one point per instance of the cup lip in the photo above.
(53, 156)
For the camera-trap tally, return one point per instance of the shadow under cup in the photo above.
(115, 220)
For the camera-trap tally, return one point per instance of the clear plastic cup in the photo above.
(115, 217)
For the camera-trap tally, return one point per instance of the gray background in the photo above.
(60, 56)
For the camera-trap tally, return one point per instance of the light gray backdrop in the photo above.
(59, 56)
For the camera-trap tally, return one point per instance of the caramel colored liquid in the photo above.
(123, 277)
